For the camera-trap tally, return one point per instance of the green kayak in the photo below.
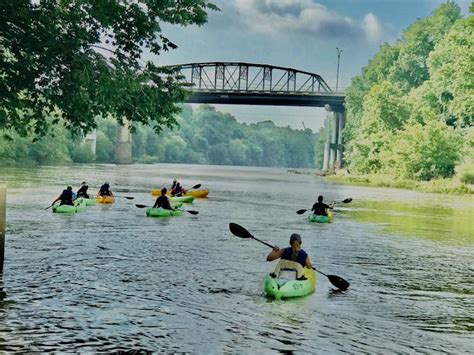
(161, 212)
(321, 219)
(182, 199)
(288, 280)
(79, 206)
(90, 201)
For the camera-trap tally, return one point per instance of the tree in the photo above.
(451, 66)
(424, 151)
(385, 111)
(73, 60)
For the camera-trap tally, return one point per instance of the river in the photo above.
(111, 279)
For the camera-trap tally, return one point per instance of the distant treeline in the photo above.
(204, 136)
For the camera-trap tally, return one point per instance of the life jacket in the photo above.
(104, 190)
(66, 198)
(300, 256)
(82, 192)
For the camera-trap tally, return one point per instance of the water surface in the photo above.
(111, 279)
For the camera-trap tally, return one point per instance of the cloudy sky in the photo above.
(300, 34)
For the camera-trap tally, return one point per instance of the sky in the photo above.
(300, 34)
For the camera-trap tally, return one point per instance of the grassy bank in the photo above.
(441, 186)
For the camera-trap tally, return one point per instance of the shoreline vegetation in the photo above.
(450, 186)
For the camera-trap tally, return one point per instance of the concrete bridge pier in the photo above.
(91, 141)
(333, 147)
(123, 146)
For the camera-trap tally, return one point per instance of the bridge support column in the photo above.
(91, 141)
(328, 138)
(333, 145)
(341, 122)
(123, 146)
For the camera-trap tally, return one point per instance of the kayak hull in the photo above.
(104, 199)
(197, 193)
(90, 201)
(321, 219)
(280, 288)
(193, 193)
(161, 212)
(79, 206)
(182, 199)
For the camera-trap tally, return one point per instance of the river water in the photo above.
(110, 279)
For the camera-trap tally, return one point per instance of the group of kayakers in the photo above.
(67, 197)
(293, 253)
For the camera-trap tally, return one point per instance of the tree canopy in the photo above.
(411, 111)
(70, 61)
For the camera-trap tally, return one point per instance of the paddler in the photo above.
(163, 201)
(82, 192)
(178, 190)
(105, 190)
(293, 253)
(66, 197)
(320, 208)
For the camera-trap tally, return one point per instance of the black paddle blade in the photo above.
(347, 200)
(196, 186)
(129, 197)
(141, 206)
(192, 212)
(301, 211)
(239, 231)
(339, 282)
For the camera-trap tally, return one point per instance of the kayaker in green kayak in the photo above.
(82, 192)
(66, 197)
(293, 253)
(320, 208)
(163, 201)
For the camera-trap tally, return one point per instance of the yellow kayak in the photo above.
(194, 193)
(104, 199)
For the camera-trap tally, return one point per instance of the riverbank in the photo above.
(440, 186)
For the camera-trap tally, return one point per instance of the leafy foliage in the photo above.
(408, 111)
(205, 136)
(74, 60)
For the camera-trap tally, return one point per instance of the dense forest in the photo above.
(410, 113)
(204, 136)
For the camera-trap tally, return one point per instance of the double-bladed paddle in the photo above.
(145, 206)
(241, 232)
(347, 200)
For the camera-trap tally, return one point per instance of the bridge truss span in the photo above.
(233, 77)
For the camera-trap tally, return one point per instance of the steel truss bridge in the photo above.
(257, 84)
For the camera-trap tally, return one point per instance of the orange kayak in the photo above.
(194, 193)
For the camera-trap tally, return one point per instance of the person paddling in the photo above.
(66, 197)
(178, 190)
(82, 192)
(163, 201)
(105, 190)
(173, 186)
(320, 208)
(293, 253)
